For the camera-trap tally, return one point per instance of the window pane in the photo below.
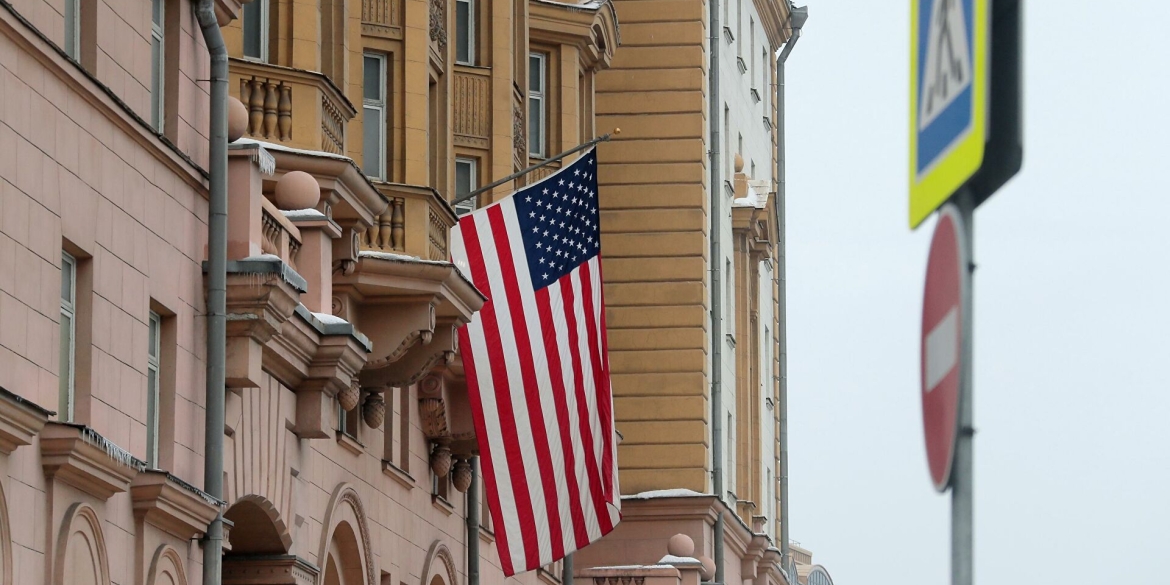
(463, 31)
(156, 11)
(65, 381)
(253, 23)
(152, 417)
(156, 82)
(462, 177)
(535, 126)
(372, 128)
(67, 272)
(372, 79)
(71, 10)
(535, 73)
(153, 337)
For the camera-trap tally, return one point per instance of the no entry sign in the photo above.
(944, 311)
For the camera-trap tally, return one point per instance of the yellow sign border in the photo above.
(962, 161)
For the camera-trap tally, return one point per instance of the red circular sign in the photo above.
(942, 364)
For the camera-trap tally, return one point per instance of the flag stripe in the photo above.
(591, 294)
(580, 534)
(584, 412)
(517, 478)
(530, 407)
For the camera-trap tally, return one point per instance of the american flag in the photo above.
(537, 368)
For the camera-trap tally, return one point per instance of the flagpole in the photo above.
(538, 165)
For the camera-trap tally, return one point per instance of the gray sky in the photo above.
(1071, 394)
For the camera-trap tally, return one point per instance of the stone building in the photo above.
(347, 433)
(657, 193)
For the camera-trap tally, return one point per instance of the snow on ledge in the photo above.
(672, 493)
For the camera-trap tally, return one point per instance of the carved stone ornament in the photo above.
(349, 397)
(519, 142)
(461, 475)
(441, 460)
(439, 23)
(374, 410)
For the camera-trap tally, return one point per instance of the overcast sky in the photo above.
(1072, 400)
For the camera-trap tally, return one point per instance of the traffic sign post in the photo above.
(965, 143)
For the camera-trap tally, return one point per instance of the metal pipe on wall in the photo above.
(216, 285)
(473, 525)
(716, 259)
(796, 19)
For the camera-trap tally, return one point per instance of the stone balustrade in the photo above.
(297, 108)
(417, 223)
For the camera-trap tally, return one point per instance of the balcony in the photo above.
(416, 223)
(297, 108)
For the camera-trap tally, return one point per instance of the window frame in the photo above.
(470, 205)
(265, 16)
(158, 70)
(66, 387)
(153, 390)
(541, 96)
(379, 105)
(471, 38)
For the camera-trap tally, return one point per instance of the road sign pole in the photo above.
(963, 468)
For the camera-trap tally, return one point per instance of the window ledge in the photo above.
(729, 188)
(730, 36)
(767, 123)
(486, 534)
(731, 340)
(441, 504)
(397, 474)
(756, 95)
(349, 443)
(742, 66)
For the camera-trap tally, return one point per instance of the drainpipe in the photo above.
(216, 286)
(716, 258)
(796, 19)
(473, 525)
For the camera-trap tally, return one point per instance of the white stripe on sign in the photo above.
(942, 349)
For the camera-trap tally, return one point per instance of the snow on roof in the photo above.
(304, 214)
(400, 258)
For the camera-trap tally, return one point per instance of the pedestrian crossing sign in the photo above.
(948, 89)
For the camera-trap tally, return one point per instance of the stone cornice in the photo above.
(170, 505)
(774, 20)
(591, 27)
(80, 457)
(20, 421)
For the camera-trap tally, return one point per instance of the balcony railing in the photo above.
(280, 237)
(417, 223)
(300, 108)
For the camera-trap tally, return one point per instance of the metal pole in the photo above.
(216, 286)
(473, 525)
(796, 19)
(538, 165)
(962, 478)
(567, 570)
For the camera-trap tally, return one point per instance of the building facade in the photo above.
(348, 445)
(657, 201)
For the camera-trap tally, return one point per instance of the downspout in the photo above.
(796, 19)
(716, 259)
(473, 525)
(216, 286)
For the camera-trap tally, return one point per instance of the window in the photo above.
(727, 154)
(465, 32)
(73, 29)
(154, 337)
(68, 336)
(255, 23)
(739, 29)
(764, 67)
(729, 299)
(157, 65)
(537, 108)
(751, 47)
(739, 148)
(465, 182)
(348, 421)
(374, 116)
(396, 429)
